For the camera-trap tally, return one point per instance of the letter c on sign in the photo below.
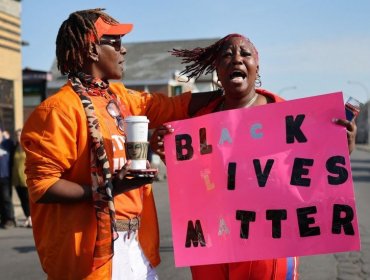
(254, 133)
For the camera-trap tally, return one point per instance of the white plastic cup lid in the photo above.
(135, 119)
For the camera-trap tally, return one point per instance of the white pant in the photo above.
(129, 261)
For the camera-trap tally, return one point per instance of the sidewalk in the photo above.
(363, 147)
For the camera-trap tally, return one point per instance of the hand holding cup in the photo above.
(127, 179)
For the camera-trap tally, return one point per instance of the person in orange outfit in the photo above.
(235, 59)
(88, 221)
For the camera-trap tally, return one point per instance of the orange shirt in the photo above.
(56, 141)
(129, 205)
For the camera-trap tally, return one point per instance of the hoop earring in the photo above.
(217, 86)
(218, 89)
(258, 82)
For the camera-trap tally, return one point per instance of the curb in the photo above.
(365, 148)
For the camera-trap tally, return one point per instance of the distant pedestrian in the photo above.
(19, 178)
(6, 205)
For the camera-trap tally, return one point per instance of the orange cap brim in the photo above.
(104, 28)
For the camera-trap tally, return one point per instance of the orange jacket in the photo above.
(56, 141)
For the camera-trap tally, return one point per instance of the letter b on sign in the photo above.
(184, 149)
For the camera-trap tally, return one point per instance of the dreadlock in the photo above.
(203, 60)
(74, 36)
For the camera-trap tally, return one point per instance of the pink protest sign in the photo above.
(262, 182)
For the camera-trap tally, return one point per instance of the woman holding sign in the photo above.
(235, 60)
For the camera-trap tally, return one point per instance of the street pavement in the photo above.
(18, 258)
(348, 265)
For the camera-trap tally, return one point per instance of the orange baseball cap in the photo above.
(105, 28)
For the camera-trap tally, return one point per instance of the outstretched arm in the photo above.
(64, 191)
(202, 99)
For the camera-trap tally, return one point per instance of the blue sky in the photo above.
(306, 47)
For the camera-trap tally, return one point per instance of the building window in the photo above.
(6, 104)
(176, 90)
(32, 94)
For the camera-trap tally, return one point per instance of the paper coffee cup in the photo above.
(136, 128)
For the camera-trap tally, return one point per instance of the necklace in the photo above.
(250, 103)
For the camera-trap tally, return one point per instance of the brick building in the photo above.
(11, 105)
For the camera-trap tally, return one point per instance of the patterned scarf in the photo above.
(101, 177)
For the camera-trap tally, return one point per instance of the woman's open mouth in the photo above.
(237, 76)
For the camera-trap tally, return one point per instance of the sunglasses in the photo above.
(114, 111)
(116, 43)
